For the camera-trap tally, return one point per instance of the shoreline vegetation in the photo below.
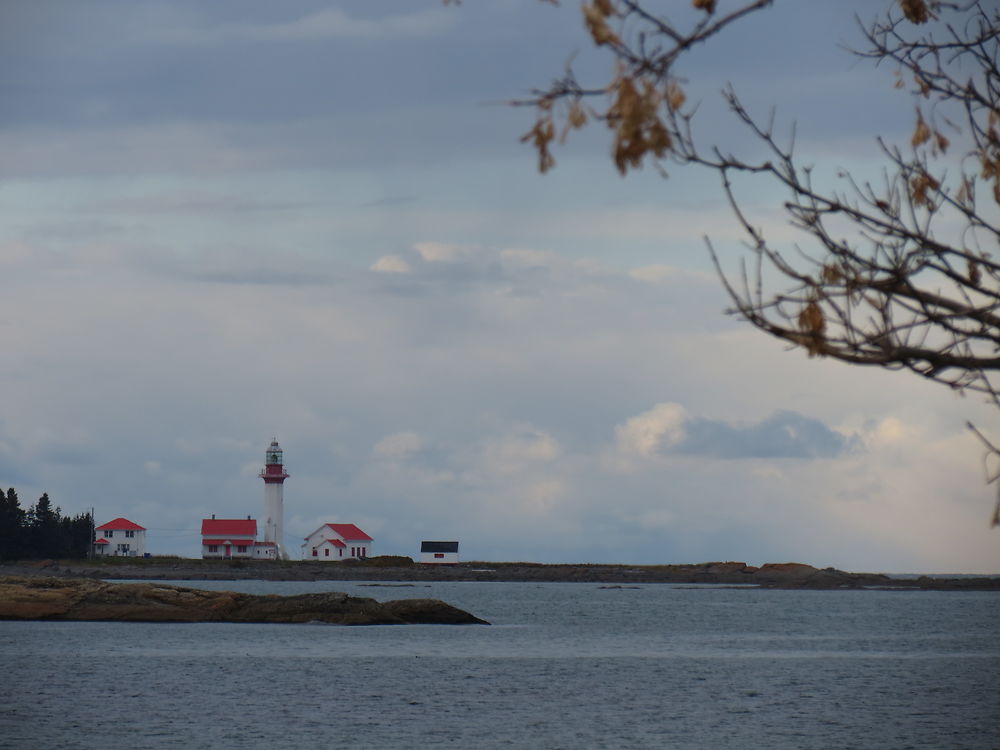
(397, 568)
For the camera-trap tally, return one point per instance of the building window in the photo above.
(315, 552)
(326, 552)
(108, 534)
(241, 550)
(213, 548)
(341, 551)
(129, 534)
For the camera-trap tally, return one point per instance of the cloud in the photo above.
(667, 429)
(334, 23)
(391, 264)
(523, 447)
(659, 429)
(655, 273)
(890, 431)
(241, 219)
(327, 23)
(785, 434)
(399, 445)
(443, 252)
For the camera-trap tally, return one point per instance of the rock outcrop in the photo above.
(798, 575)
(82, 599)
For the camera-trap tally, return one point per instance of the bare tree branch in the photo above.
(886, 280)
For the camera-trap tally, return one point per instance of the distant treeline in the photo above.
(41, 531)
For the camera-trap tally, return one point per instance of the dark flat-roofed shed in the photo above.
(438, 552)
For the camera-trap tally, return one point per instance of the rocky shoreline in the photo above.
(48, 598)
(772, 575)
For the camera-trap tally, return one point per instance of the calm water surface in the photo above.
(563, 666)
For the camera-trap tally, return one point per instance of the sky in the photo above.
(313, 220)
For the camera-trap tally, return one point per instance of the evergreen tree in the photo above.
(77, 536)
(43, 532)
(12, 526)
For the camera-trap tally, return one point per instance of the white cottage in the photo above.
(120, 538)
(335, 542)
(440, 553)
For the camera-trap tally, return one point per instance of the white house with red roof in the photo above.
(234, 539)
(120, 538)
(335, 542)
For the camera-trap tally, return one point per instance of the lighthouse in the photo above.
(274, 476)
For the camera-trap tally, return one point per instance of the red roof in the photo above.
(121, 524)
(349, 532)
(229, 527)
(234, 542)
(102, 540)
(334, 542)
(265, 544)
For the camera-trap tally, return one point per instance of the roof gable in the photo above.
(229, 527)
(120, 524)
(334, 542)
(349, 532)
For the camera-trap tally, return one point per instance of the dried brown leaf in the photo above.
(812, 323)
(963, 191)
(606, 7)
(916, 11)
(597, 25)
(920, 187)
(576, 117)
(675, 96)
(975, 274)
(540, 136)
(921, 133)
(811, 319)
(831, 274)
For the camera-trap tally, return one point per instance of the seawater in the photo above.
(570, 666)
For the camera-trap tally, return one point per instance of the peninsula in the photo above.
(398, 568)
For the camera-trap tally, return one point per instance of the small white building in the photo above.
(334, 542)
(120, 538)
(439, 553)
(265, 550)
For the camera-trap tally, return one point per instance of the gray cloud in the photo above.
(668, 429)
(243, 219)
(259, 276)
(785, 434)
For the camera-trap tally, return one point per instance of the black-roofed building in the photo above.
(439, 552)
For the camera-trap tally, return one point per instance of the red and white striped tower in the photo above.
(274, 476)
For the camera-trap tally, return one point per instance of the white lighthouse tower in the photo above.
(274, 476)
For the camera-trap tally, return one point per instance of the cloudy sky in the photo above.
(223, 222)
